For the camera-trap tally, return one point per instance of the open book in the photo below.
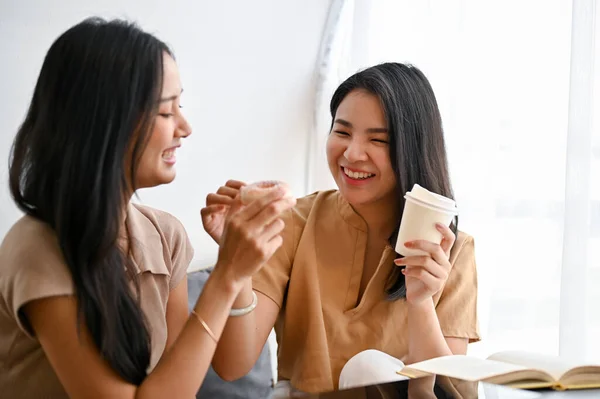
(514, 369)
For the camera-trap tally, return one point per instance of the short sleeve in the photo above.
(160, 233)
(457, 306)
(31, 267)
(272, 280)
(181, 250)
(182, 255)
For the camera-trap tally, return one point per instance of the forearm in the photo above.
(237, 350)
(425, 337)
(182, 369)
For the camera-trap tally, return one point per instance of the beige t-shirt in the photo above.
(32, 267)
(315, 278)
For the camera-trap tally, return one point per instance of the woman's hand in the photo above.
(427, 274)
(217, 205)
(251, 234)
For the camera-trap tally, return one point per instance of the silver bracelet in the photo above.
(247, 309)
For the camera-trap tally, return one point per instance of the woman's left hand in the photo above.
(427, 274)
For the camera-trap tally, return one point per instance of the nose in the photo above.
(355, 152)
(183, 127)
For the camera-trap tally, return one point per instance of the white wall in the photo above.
(247, 70)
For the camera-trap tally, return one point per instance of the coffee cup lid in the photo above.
(453, 210)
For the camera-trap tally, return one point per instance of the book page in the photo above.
(553, 365)
(585, 376)
(462, 367)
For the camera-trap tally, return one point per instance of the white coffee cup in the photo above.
(422, 210)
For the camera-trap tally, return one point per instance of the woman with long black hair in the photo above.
(336, 287)
(93, 292)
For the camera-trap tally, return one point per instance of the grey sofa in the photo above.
(258, 383)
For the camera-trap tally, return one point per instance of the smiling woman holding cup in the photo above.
(342, 301)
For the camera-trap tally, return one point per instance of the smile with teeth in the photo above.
(357, 175)
(168, 154)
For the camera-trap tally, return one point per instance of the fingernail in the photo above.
(408, 244)
(403, 271)
(398, 262)
(439, 226)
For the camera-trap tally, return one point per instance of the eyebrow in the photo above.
(369, 130)
(167, 99)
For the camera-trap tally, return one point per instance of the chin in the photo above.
(166, 175)
(153, 181)
(166, 179)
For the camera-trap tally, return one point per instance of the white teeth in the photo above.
(357, 175)
(168, 154)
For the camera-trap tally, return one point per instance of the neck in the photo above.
(382, 216)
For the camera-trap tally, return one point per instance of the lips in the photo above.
(357, 175)
(169, 156)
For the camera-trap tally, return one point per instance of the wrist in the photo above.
(423, 306)
(244, 296)
(226, 280)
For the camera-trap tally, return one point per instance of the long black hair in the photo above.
(73, 163)
(417, 147)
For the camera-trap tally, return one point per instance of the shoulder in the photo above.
(34, 230)
(316, 201)
(165, 223)
(29, 244)
(32, 266)
(463, 242)
(462, 254)
(149, 226)
(311, 204)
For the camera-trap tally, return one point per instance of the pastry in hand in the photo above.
(256, 190)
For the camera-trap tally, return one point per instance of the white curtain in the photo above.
(333, 66)
(515, 81)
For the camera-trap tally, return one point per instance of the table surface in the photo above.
(449, 388)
